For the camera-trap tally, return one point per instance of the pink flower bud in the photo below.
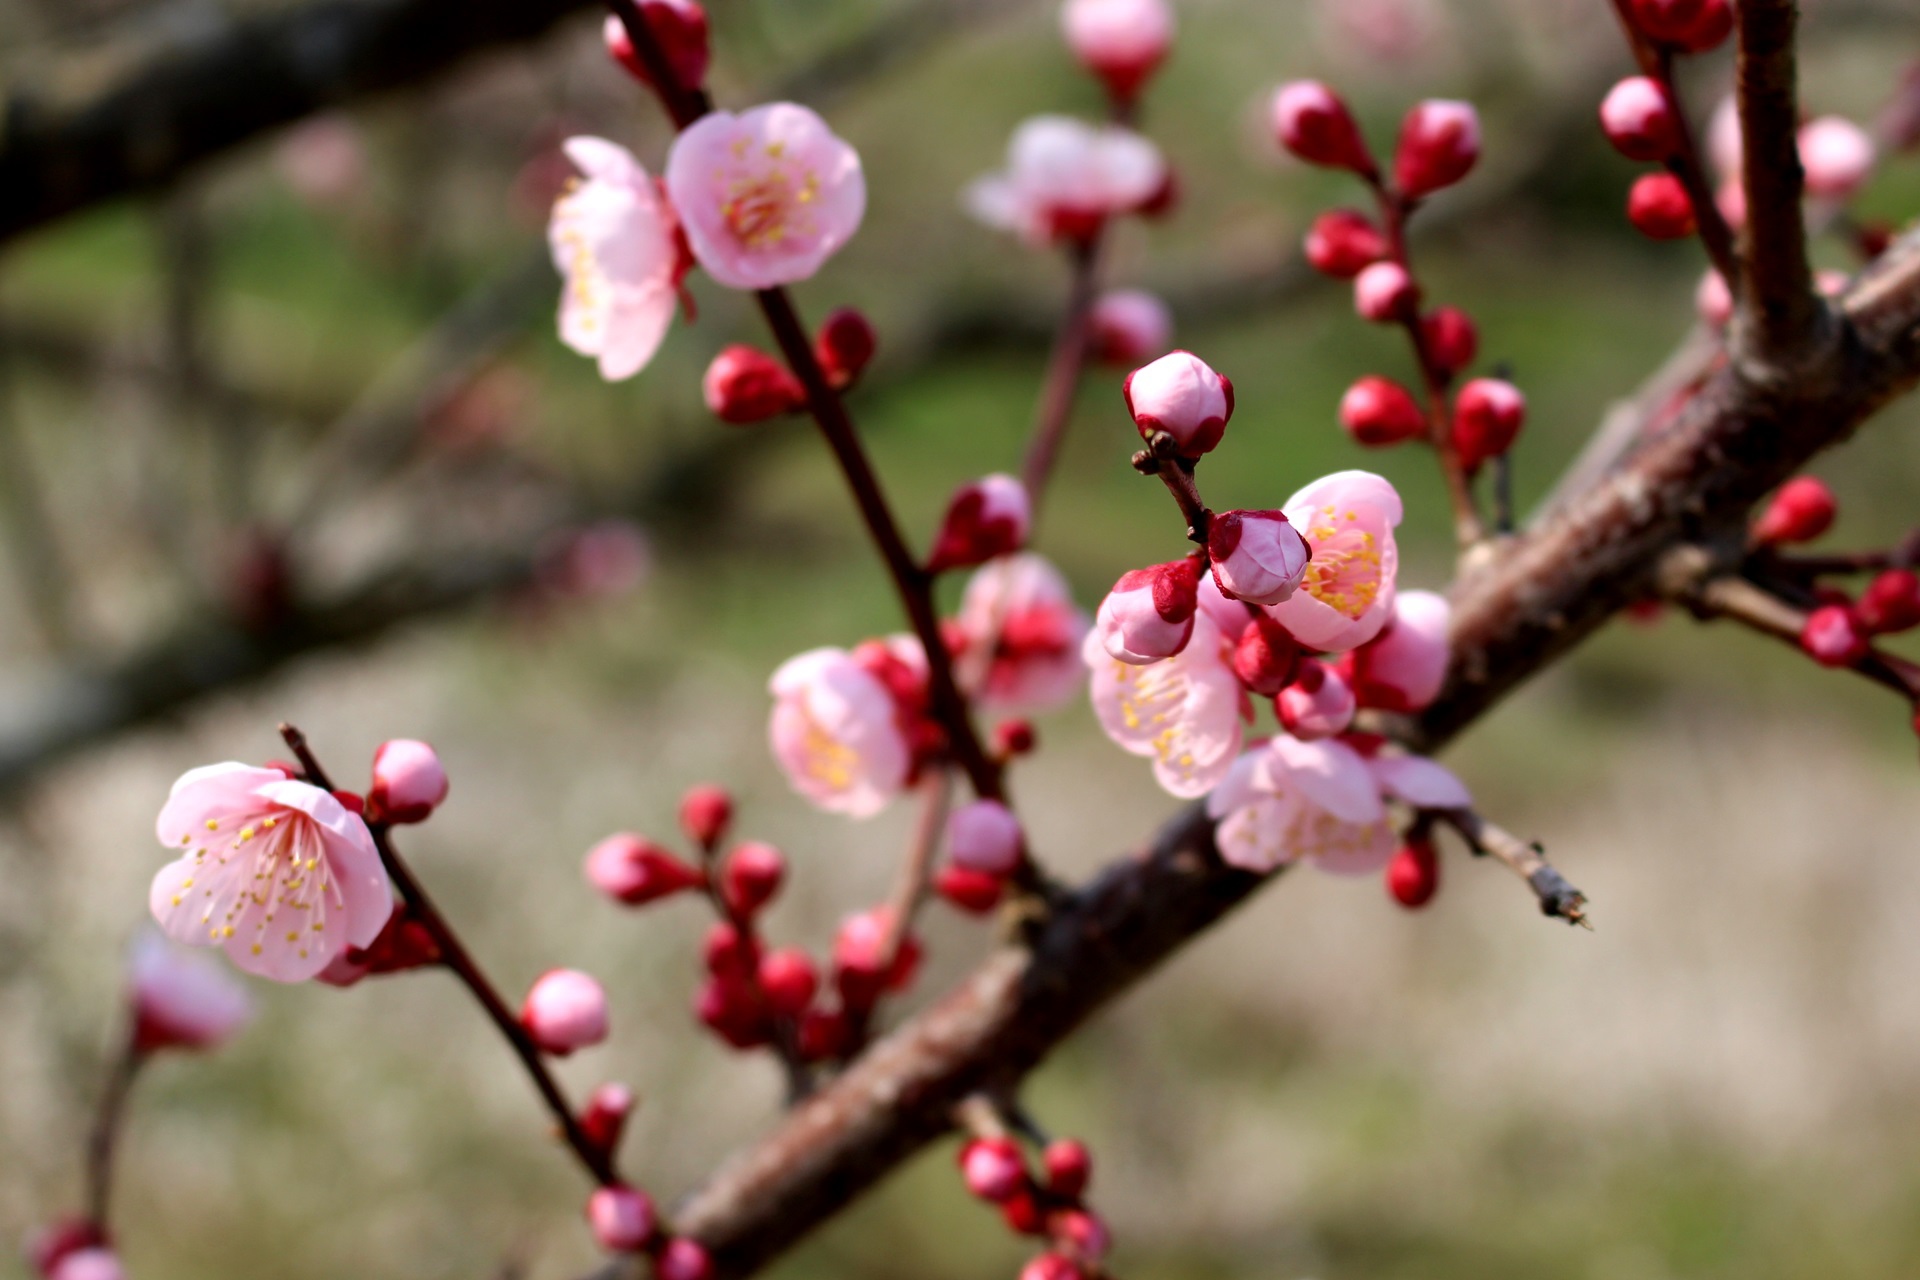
(1069, 1167)
(634, 871)
(57, 1241)
(1712, 300)
(1266, 657)
(1312, 122)
(1085, 1233)
(985, 519)
(604, 1118)
(683, 1259)
(844, 345)
(859, 957)
(1149, 613)
(565, 1010)
(1639, 119)
(1451, 338)
(1487, 417)
(1258, 556)
(1050, 1266)
(745, 385)
(1890, 603)
(1832, 636)
(706, 809)
(974, 892)
(181, 999)
(1318, 704)
(1120, 41)
(1343, 242)
(1129, 327)
(1837, 155)
(1413, 876)
(1403, 667)
(1658, 207)
(985, 836)
(408, 782)
(99, 1263)
(1180, 395)
(993, 1168)
(1439, 143)
(622, 1218)
(1385, 292)
(751, 876)
(1801, 511)
(680, 29)
(1378, 411)
(788, 979)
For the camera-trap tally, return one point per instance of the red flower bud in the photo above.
(993, 1168)
(728, 953)
(974, 892)
(986, 518)
(1266, 657)
(744, 385)
(1639, 120)
(844, 345)
(634, 871)
(1311, 121)
(623, 1219)
(1487, 417)
(679, 27)
(683, 1259)
(1378, 411)
(732, 1009)
(705, 811)
(788, 979)
(1014, 738)
(1023, 1213)
(1343, 242)
(823, 1034)
(1050, 1266)
(751, 876)
(1413, 876)
(1832, 636)
(1439, 143)
(1452, 341)
(1801, 511)
(1658, 207)
(605, 1116)
(1069, 1167)
(1384, 293)
(1694, 25)
(1890, 603)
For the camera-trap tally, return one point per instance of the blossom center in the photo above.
(766, 208)
(1345, 572)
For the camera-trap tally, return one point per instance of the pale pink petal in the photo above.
(1420, 782)
(211, 792)
(1348, 849)
(1182, 712)
(1254, 837)
(1329, 773)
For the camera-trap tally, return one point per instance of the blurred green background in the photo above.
(1722, 1081)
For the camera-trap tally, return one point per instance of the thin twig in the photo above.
(1069, 357)
(1524, 859)
(104, 1138)
(597, 1160)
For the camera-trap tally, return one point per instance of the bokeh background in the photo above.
(229, 395)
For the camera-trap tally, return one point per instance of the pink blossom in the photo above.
(1121, 41)
(836, 733)
(1290, 800)
(88, 1264)
(986, 518)
(985, 836)
(1065, 177)
(1149, 613)
(1184, 713)
(565, 1010)
(276, 872)
(1402, 668)
(766, 196)
(684, 1259)
(623, 1219)
(1346, 596)
(1018, 620)
(182, 1000)
(1181, 395)
(1129, 327)
(1318, 704)
(1837, 155)
(613, 238)
(1258, 556)
(408, 781)
(1419, 782)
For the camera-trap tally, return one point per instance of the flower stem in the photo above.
(103, 1139)
(453, 953)
(1064, 365)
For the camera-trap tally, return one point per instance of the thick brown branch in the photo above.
(1781, 322)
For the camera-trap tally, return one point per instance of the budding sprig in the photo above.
(1050, 1207)
(1439, 144)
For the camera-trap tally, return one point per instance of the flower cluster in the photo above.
(1050, 1207)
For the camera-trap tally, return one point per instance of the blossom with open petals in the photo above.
(766, 196)
(1291, 800)
(1346, 595)
(181, 999)
(1403, 667)
(1185, 713)
(1021, 607)
(275, 872)
(1065, 177)
(836, 732)
(613, 237)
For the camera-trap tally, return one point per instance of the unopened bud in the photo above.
(1439, 143)
(751, 876)
(1014, 738)
(705, 811)
(1384, 293)
(1069, 1167)
(789, 980)
(974, 892)
(1149, 613)
(1639, 119)
(565, 1010)
(408, 781)
(1890, 603)
(1343, 242)
(844, 346)
(623, 1219)
(1413, 874)
(987, 518)
(1120, 41)
(1658, 207)
(679, 27)
(1378, 411)
(985, 836)
(1487, 417)
(993, 1168)
(604, 1118)
(1257, 556)
(745, 385)
(1182, 396)
(1452, 340)
(633, 870)
(1129, 327)
(1318, 704)
(1266, 657)
(1801, 511)
(683, 1258)
(1313, 123)
(1837, 156)
(1832, 636)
